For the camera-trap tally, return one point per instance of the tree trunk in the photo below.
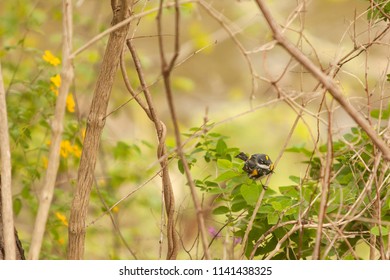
(19, 249)
(95, 124)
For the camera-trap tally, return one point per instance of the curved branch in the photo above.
(325, 80)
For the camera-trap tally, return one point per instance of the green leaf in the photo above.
(226, 176)
(299, 149)
(265, 209)
(221, 147)
(180, 166)
(121, 150)
(211, 184)
(224, 164)
(375, 230)
(17, 205)
(295, 179)
(239, 204)
(272, 218)
(250, 193)
(214, 134)
(349, 137)
(290, 191)
(221, 210)
(385, 114)
(277, 205)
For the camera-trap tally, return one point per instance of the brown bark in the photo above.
(95, 124)
(19, 252)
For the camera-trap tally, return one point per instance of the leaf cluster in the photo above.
(283, 207)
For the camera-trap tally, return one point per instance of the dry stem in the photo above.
(46, 196)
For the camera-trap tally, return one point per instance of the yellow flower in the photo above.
(62, 218)
(67, 149)
(45, 162)
(76, 151)
(49, 57)
(70, 103)
(115, 209)
(54, 90)
(56, 80)
(83, 133)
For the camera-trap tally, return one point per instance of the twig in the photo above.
(5, 180)
(168, 194)
(120, 25)
(325, 187)
(325, 80)
(260, 199)
(67, 74)
(214, 14)
(113, 220)
(166, 69)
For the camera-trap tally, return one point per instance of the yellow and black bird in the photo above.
(257, 165)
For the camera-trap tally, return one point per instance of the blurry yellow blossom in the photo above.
(62, 218)
(56, 80)
(49, 57)
(76, 151)
(115, 209)
(70, 103)
(83, 133)
(61, 240)
(65, 148)
(54, 90)
(45, 162)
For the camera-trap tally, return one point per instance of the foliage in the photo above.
(235, 196)
(380, 9)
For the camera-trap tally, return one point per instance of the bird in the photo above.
(257, 165)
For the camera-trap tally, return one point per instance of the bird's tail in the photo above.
(242, 156)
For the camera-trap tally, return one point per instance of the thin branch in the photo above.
(168, 194)
(67, 74)
(166, 69)
(325, 80)
(120, 25)
(113, 220)
(325, 188)
(260, 199)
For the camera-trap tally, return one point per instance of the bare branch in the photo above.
(325, 187)
(325, 80)
(166, 69)
(168, 194)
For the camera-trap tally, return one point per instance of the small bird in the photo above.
(257, 165)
